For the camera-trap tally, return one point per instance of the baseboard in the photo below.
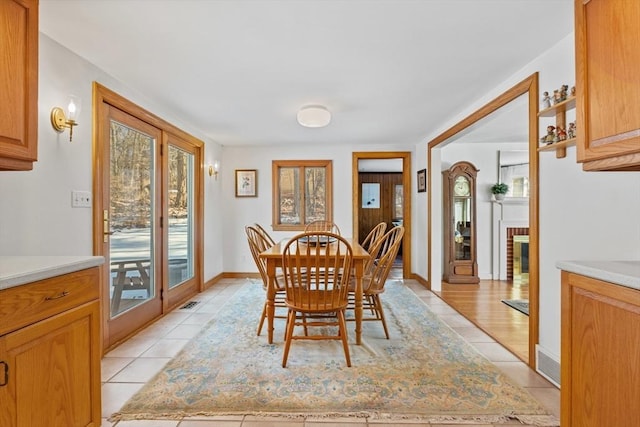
(424, 282)
(548, 365)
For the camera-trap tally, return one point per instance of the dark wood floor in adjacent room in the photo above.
(482, 304)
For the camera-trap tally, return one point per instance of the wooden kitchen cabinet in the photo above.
(50, 352)
(600, 357)
(608, 84)
(18, 84)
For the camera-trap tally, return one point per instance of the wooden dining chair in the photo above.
(375, 233)
(265, 234)
(383, 252)
(258, 243)
(316, 281)
(322, 225)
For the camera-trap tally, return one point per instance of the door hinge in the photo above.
(5, 377)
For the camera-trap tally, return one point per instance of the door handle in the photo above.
(105, 226)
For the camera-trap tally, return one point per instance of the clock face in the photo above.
(461, 186)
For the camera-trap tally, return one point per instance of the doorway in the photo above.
(147, 215)
(393, 194)
(529, 88)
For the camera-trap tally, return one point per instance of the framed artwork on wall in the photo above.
(422, 180)
(246, 183)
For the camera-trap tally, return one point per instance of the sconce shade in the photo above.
(60, 121)
(214, 169)
(314, 116)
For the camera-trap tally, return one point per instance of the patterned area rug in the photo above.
(522, 305)
(425, 371)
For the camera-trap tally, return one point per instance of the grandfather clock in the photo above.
(459, 216)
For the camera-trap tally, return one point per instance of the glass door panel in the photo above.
(131, 216)
(181, 216)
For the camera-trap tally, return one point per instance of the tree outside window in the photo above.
(301, 193)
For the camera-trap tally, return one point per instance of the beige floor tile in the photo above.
(114, 395)
(473, 334)
(254, 421)
(105, 423)
(184, 331)
(327, 423)
(165, 347)
(549, 397)
(495, 352)
(210, 423)
(523, 375)
(140, 370)
(148, 423)
(112, 365)
(455, 320)
(133, 347)
(198, 319)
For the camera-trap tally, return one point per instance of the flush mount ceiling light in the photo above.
(314, 116)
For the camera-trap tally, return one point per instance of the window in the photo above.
(301, 193)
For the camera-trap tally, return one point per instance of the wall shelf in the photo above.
(559, 147)
(559, 111)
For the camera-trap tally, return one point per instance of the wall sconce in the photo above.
(214, 169)
(60, 121)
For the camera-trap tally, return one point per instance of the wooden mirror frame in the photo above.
(527, 86)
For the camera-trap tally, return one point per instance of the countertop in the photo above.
(19, 270)
(623, 273)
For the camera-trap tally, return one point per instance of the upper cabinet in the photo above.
(608, 84)
(18, 84)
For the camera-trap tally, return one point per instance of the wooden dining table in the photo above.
(273, 256)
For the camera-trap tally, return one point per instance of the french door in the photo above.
(147, 185)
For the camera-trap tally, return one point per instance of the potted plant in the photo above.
(499, 190)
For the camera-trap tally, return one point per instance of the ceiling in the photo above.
(237, 71)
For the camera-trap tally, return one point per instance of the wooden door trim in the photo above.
(527, 86)
(103, 95)
(406, 189)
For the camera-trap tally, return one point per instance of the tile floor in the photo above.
(126, 368)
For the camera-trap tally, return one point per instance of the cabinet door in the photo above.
(53, 372)
(608, 84)
(18, 84)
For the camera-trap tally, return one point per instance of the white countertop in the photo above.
(624, 273)
(19, 270)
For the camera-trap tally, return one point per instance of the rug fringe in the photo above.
(535, 420)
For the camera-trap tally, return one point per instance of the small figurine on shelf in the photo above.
(556, 97)
(550, 136)
(546, 100)
(563, 92)
(573, 91)
(561, 134)
(571, 132)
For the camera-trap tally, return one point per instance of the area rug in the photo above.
(425, 371)
(522, 305)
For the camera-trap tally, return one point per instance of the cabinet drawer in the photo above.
(23, 305)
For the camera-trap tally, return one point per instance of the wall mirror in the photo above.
(513, 168)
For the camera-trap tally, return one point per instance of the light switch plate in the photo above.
(80, 199)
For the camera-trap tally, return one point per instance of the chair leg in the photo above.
(262, 317)
(380, 311)
(343, 334)
(291, 321)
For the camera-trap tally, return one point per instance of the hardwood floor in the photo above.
(482, 305)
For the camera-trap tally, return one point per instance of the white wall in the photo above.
(242, 211)
(36, 217)
(583, 215)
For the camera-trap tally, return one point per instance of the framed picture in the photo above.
(422, 181)
(246, 183)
